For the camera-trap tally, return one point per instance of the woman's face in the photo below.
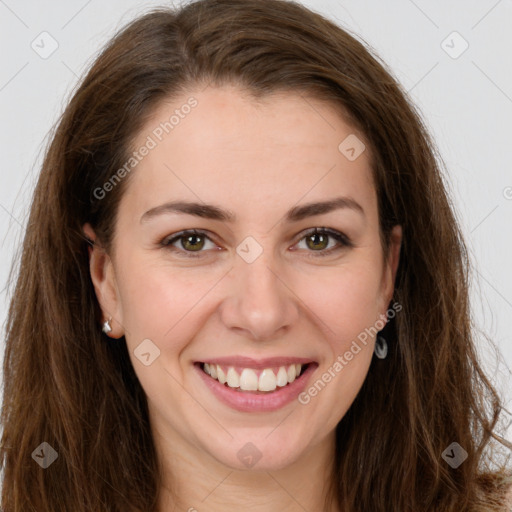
(253, 292)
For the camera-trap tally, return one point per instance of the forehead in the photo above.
(221, 143)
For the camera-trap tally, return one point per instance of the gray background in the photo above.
(465, 98)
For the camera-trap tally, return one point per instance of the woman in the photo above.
(242, 285)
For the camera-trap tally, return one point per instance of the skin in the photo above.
(257, 159)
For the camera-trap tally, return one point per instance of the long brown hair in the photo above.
(68, 385)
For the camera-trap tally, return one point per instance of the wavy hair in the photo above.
(66, 385)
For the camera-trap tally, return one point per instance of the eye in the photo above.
(317, 239)
(192, 242)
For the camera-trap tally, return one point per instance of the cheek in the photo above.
(338, 384)
(157, 301)
(344, 300)
(160, 305)
(345, 305)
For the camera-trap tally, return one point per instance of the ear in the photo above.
(104, 281)
(391, 265)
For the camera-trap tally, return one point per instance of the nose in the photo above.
(260, 305)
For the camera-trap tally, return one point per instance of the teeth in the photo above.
(291, 373)
(282, 377)
(267, 380)
(233, 378)
(248, 380)
(221, 376)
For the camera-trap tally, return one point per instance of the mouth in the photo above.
(251, 386)
(253, 380)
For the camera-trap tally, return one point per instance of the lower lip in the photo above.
(246, 401)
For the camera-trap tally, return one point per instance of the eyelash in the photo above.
(341, 238)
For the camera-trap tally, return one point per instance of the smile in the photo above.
(248, 385)
(249, 379)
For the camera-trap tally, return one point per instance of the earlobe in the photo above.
(103, 279)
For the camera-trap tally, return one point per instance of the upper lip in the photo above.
(258, 364)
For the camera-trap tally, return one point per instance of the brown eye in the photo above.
(317, 241)
(191, 243)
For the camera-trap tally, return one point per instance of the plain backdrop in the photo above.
(453, 58)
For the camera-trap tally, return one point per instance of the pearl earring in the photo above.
(106, 326)
(381, 347)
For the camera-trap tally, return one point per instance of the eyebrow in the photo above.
(209, 211)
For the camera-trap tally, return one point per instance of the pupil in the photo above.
(313, 236)
(192, 237)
